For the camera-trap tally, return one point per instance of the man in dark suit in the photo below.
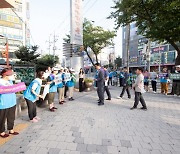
(100, 84)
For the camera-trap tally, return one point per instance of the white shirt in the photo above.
(4, 82)
(35, 85)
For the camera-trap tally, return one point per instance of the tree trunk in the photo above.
(177, 62)
(90, 58)
(96, 58)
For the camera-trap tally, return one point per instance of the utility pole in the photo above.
(127, 44)
(49, 42)
(54, 45)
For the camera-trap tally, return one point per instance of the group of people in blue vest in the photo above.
(56, 82)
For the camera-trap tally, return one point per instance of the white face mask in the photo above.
(12, 78)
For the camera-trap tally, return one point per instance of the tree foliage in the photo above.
(94, 37)
(158, 20)
(27, 54)
(46, 61)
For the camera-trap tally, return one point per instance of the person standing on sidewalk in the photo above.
(60, 86)
(154, 81)
(106, 88)
(71, 84)
(138, 86)
(110, 78)
(126, 84)
(52, 89)
(100, 83)
(121, 76)
(176, 83)
(31, 94)
(7, 105)
(81, 80)
(164, 81)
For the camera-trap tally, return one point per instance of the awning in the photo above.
(5, 4)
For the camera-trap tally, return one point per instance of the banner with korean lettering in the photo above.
(76, 22)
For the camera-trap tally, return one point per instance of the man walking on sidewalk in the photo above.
(138, 86)
(100, 84)
(126, 83)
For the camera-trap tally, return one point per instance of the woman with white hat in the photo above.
(52, 89)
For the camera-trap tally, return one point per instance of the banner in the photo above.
(76, 22)
(163, 75)
(175, 76)
(13, 88)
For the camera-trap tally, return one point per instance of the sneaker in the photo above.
(108, 99)
(34, 120)
(155, 92)
(133, 108)
(37, 118)
(119, 97)
(143, 108)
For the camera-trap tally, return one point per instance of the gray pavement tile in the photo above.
(53, 151)
(76, 134)
(74, 129)
(126, 143)
(102, 149)
(79, 140)
(82, 147)
(106, 142)
(91, 148)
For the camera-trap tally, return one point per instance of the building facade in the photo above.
(14, 27)
(161, 54)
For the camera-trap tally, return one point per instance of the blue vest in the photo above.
(53, 87)
(7, 100)
(61, 84)
(28, 92)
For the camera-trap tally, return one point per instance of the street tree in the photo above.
(27, 54)
(158, 20)
(94, 37)
(46, 61)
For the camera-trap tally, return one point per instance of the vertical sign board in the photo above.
(76, 22)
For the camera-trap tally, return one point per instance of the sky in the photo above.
(53, 16)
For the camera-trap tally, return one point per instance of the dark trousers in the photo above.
(154, 85)
(125, 88)
(139, 97)
(81, 84)
(65, 92)
(31, 109)
(120, 82)
(110, 81)
(106, 89)
(8, 114)
(100, 92)
(176, 88)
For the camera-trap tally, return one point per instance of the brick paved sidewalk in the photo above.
(82, 127)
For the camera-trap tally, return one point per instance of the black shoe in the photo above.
(108, 99)
(133, 108)
(143, 108)
(72, 98)
(100, 104)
